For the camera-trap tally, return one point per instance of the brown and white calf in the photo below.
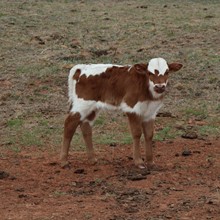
(138, 90)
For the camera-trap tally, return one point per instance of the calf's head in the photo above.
(157, 71)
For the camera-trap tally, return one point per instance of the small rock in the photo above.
(186, 153)
(38, 40)
(22, 196)
(131, 210)
(19, 190)
(141, 175)
(53, 163)
(209, 16)
(142, 6)
(3, 175)
(165, 114)
(79, 171)
(136, 177)
(197, 152)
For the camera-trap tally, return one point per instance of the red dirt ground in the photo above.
(184, 186)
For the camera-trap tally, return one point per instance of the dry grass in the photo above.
(40, 40)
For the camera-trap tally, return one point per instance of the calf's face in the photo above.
(158, 70)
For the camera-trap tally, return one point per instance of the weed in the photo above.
(15, 149)
(2, 15)
(99, 121)
(31, 138)
(59, 193)
(88, 215)
(126, 139)
(199, 112)
(106, 139)
(15, 123)
(209, 130)
(166, 133)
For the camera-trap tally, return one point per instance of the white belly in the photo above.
(146, 109)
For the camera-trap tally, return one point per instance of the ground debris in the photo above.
(190, 135)
(135, 174)
(3, 175)
(80, 171)
(186, 153)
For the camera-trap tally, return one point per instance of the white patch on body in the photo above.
(158, 64)
(147, 109)
(91, 69)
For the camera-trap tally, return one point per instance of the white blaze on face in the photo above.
(158, 64)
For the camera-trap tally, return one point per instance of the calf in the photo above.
(137, 90)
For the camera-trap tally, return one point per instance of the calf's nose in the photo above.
(160, 88)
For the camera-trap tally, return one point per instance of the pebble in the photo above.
(186, 153)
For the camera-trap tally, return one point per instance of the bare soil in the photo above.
(185, 185)
(39, 42)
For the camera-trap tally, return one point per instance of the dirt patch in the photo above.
(33, 186)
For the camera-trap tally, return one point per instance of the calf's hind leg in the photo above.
(71, 123)
(87, 136)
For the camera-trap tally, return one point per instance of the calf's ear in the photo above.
(173, 67)
(141, 68)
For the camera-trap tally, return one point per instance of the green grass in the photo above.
(58, 193)
(210, 130)
(15, 123)
(199, 112)
(166, 133)
(31, 138)
(34, 132)
(100, 121)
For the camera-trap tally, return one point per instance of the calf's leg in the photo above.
(148, 130)
(70, 125)
(136, 131)
(87, 136)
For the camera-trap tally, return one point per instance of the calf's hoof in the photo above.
(92, 160)
(64, 164)
(150, 165)
(140, 164)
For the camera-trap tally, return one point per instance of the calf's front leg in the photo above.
(136, 131)
(148, 130)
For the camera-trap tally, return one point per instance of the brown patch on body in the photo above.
(115, 85)
(91, 116)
